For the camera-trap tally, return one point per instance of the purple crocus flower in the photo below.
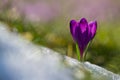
(83, 32)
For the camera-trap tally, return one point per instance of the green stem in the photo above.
(78, 52)
(85, 53)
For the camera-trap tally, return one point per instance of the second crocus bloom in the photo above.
(83, 32)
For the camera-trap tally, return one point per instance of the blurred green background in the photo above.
(46, 23)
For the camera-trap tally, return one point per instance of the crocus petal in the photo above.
(81, 50)
(82, 35)
(73, 26)
(83, 25)
(83, 32)
(92, 29)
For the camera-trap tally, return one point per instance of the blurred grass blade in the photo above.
(77, 51)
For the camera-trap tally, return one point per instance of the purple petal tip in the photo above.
(93, 28)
